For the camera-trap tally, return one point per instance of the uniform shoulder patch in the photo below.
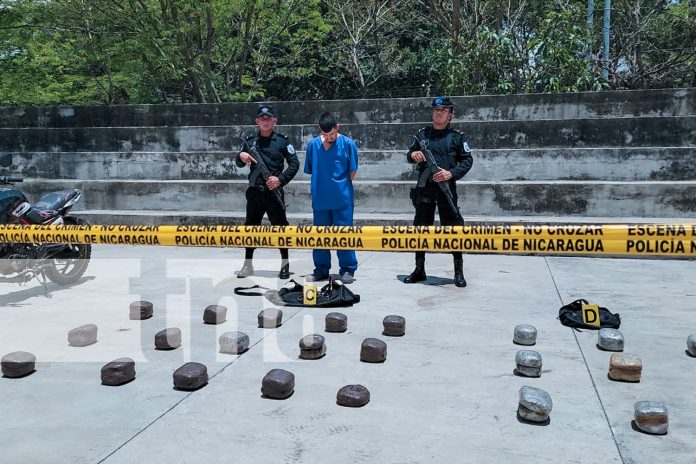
(291, 149)
(463, 141)
(465, 146)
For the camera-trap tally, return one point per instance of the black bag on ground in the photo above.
(330, 295)
(571, 315)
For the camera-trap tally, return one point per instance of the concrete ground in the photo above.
(446, 392)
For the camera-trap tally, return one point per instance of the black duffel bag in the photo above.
(333, 294)
(571, 315)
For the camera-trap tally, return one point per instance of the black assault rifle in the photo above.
(265, 174)
(433, 169)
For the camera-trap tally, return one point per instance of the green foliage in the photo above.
(546, 58)
(555, 51)
(36, 68)
(655, 44)
(153, 51)
(490, 63)
(128, 51)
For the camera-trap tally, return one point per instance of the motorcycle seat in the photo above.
(49, 205)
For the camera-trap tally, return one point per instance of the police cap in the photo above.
(442, 101)
(265, 110)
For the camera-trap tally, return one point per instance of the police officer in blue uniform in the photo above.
(452, 154)
(276, 151)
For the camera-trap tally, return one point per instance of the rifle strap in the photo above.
(423, 177)
(254, 176)
(245, 291)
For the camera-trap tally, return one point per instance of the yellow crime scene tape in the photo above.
(666, 240)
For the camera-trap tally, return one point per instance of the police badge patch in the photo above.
(291, 149)
(465, 147)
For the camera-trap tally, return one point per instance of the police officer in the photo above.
(450, 149)
(261, 195)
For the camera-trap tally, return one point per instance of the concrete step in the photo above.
(583, 105)
(615, 164)
(577, 133)
(582, 198)
(152, 217)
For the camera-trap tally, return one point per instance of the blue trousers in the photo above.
(347, 260)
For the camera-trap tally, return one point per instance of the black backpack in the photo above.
(571, 315)
(333, 294)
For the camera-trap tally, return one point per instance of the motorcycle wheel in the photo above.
(66, 271)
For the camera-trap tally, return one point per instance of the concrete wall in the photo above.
(610, 164)
(583, 105)
(621, 132)
(608, 154)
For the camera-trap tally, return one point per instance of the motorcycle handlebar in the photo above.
(10, 179)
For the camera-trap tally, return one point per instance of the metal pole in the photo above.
(607, 27)
(590, 23)
(590, 13)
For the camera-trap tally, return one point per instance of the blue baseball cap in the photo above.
(442, 101)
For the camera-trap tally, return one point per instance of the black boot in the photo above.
(284, 271)
(459, 279)
(418, 274)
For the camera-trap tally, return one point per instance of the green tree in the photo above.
(35, 66)
(152, 51)
(516, 46)
(556, 59)
(654, 43)
(157, 51)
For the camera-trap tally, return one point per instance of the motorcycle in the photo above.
(63, 264)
